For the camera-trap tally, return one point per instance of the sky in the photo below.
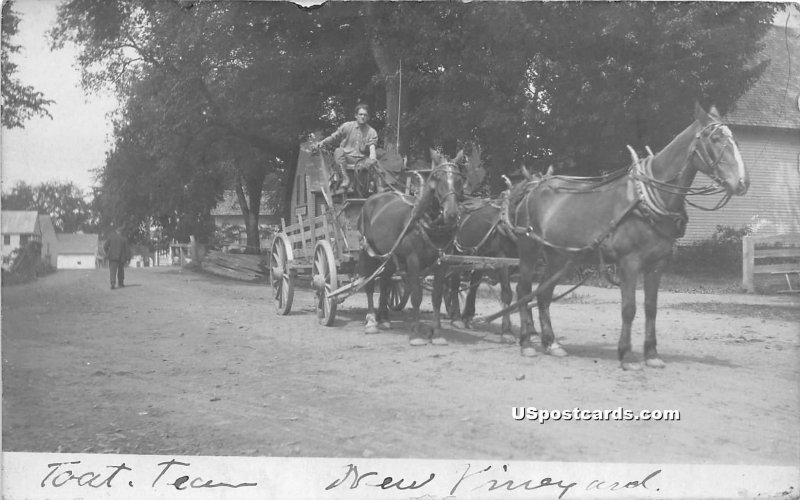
(74, 142)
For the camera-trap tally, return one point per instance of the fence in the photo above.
(770, 262)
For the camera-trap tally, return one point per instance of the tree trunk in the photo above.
(251, 208)
(389, 71)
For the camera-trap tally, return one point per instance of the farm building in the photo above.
(77, 251)
(18, 228)
(227, 215)
(49, 240)
(766, 124)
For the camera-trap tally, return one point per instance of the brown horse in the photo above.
(485, 231)
(481, 233)
(631, 218)
(399, 231)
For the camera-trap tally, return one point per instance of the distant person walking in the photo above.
(118, 255)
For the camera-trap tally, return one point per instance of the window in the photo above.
(6, 239)
(23, 239)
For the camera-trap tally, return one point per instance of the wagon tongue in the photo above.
(351, 287)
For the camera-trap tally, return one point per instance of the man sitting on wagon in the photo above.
(356, 149)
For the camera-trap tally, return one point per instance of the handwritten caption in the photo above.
(485, 479)
(74, 473)
(466, 480)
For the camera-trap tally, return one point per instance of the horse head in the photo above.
(446, 185)
(716, 154)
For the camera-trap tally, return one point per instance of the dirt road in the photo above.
(185, 363)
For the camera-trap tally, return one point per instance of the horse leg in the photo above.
(651, 281)
(439, 275)
(506, 295)
(365, 262)
(526, 271)
(469, 303)
(556, 264)
(383, 301)
(418, 336)
(454, 301)
(629, 272)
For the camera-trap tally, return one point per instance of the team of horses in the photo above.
(630, 217)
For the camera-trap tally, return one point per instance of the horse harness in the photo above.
(423, 225)
(644, 204)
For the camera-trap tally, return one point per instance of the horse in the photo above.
(484, 231)
(631, 218)
(400, 231)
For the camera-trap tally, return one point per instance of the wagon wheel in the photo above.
(280, 275)
(398, 294)
(323, 275)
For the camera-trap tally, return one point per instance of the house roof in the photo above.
(230, 205)
(46, 225)
(774, 100)
(80, 243)
(18, 221)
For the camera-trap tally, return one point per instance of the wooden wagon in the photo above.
(323, 245)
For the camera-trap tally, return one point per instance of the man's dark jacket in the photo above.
(116, 248)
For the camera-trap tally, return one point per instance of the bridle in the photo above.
(647, 184)
(446, 168)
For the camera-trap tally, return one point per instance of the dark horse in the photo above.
(631, 218)
(484, 231)
(400, 231)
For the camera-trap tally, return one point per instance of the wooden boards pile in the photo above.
(235, 266)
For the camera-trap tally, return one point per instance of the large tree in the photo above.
(228, 88)
(20, 102)
(611, 74)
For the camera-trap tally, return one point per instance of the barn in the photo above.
(766, 124)
(77, 251)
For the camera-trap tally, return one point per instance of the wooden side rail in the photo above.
(783, 248)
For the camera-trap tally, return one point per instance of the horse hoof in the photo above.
(633, 367)
(438, 341)
(556, 351)
(417, 341)
(655, 363)
(468, 325)
(458, 324)
(371, 329)
(385, 325)
(508, 338)
(528, 352)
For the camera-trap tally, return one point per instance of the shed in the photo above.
(77, 251)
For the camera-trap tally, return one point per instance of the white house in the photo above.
(18, 228)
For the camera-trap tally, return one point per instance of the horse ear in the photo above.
(714, 113)
(459, 157)
(549, 171)
(526, 173)
(700, 113)
(436, 158)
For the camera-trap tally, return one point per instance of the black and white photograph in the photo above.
(399, 249)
